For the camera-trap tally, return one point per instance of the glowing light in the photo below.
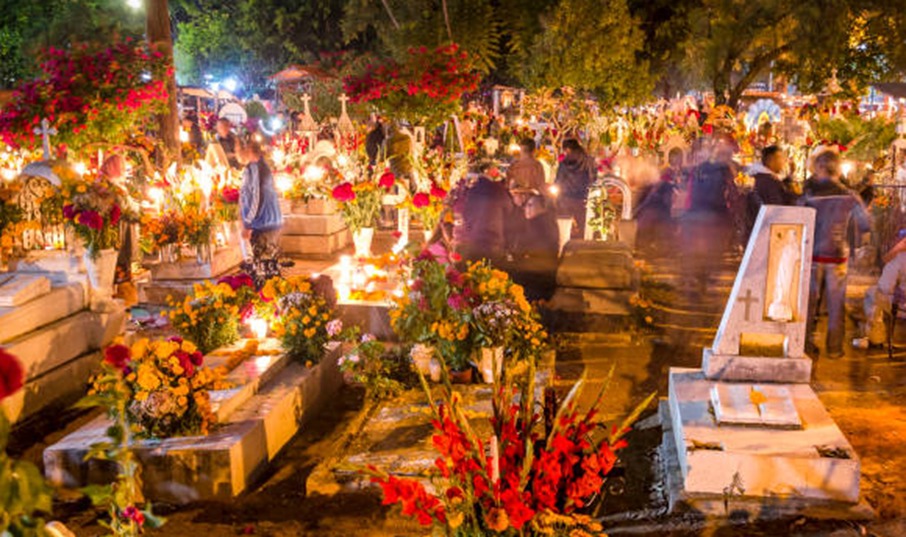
(230, 85)
(258, 327)
(8, 174)
(554, 190)
(156, 195)
(276, 123)
(343, 292)
(206, 184)
(313, 174)
(846, 168)
(513, 148)
(80, 168)
(183, 136)
(134, 4)
(258, 138)
(284, 183)
(342, 160)
(278, 154)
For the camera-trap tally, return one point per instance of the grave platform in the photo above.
(794, 451)
(57, 341)
(395, 436)
(177, 279)
(274, 400)
(314, 234)
(731, 367)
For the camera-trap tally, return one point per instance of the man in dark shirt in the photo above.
(769, 183)
(229, 142)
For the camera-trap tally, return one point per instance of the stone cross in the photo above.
(748, 300)
(306, 98)
(343, 100)
(46, 131)
(344, 124)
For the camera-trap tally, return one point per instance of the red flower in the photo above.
(438, 192)
(115, 214)
(90, 219)
(230, 195)
(421, 200)
(11, 374)
(69, 211)
(133, 514)
(387, 180)
(117, 356)
(343, 192)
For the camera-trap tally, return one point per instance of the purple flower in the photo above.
(334, 327)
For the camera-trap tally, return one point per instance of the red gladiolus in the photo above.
(132, 513)
(421, 200)
(343, 192)
(11, 374)
(387, 180)
(438, 192)
(117, 356)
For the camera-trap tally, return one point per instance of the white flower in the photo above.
(354, 358)
(334, 327)
(368, 338)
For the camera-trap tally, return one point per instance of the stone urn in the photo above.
(101, 270)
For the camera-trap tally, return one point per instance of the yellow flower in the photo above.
(147, 377)
(139, 348)
(313, 311)
(306, 319)
(309, 332)
(141, 396)
(189, 347)
(182, 401)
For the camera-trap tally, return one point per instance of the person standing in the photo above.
(259, 204)
(836, 209)
(228, 141)
(575, 175)
(708, 226)
(526, 173)
(480, 216)
(769, 181)
(655, 226)
(374, 142)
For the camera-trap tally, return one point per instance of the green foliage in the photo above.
(593, 46)
(121, 499)
(206, 44)
(256, 110)
(383, 372)
(865, 139)
(23, 492)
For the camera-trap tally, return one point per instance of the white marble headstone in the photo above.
(17, 289)
(762, 332)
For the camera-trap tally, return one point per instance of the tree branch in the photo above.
(390, 13)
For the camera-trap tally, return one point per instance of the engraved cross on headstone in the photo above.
(748, 300)
(46, 131)
(343, 100)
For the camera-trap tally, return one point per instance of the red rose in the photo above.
(117, 356)
(438, 192)
(133, 514)
(421, 200)
(230, 195)
(343, 192)
(387, 180)
(11, 374)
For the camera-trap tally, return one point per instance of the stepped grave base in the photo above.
(272, 400)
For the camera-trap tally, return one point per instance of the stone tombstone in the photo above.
(38, 183)
(762, 333)
(600, 186)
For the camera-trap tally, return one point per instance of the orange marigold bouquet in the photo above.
(165, 386)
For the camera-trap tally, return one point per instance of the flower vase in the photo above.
(490, 363)
(428, 233)
(461, 377)
(101, 270)
(227, 230)
(203, 253)
(362, 239)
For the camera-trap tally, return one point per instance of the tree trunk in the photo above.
(157, 29)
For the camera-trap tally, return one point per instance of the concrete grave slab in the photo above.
(768, 405)
(222, 464)
(60, 302)
(17, 289)
(223, 260)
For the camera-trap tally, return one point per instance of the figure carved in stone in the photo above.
(781, 307)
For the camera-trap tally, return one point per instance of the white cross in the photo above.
(343, 98)
(46, 131)
(306, 98)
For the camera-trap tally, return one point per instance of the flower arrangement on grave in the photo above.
(226, 204)
(164, 229)
(93, 208)
(603, 213)
(425, 89)
(531, 476)
(382, 372)
(91, 95)
(25, 494)
(360, 202)
(428, 206)
(300, 316)
(164, 383)
(210, 314)
(459, 312)
(11, 215)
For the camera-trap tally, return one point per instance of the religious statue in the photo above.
(781, 307)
